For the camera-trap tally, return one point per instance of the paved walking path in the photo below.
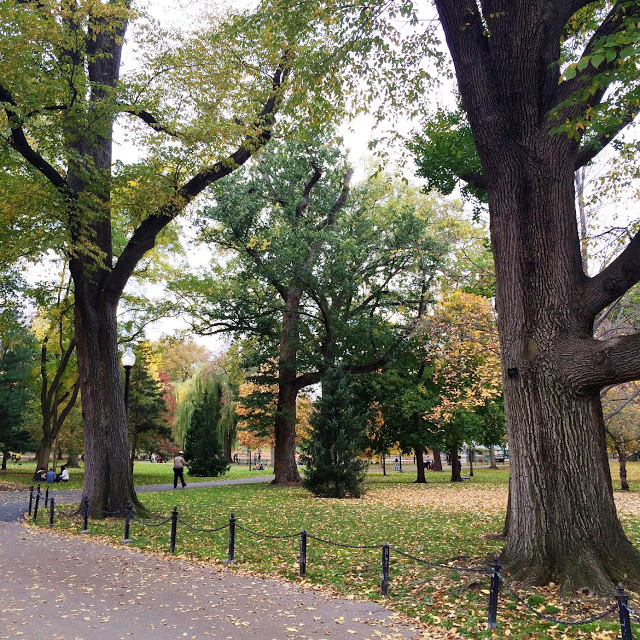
(62, 587)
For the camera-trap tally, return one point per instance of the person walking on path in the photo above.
(396, 466)
(179, 463)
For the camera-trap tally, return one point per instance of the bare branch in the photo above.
(144, 237)
(613, 281)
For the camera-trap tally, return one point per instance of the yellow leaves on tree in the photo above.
(464, 353)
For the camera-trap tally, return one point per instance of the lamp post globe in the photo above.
(128, 360)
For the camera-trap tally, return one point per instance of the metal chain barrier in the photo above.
(340, 544)
(440, 564)
(266, 535)
(193, 528)
(68, 514)
(572, 623)
(150, 524)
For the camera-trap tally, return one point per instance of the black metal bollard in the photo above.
(52, 506)
(127, 524)
(493, 593)
(85, 515)
(384, 581)
(35, 509)
(30, 500)
(232, 541)
(46, 497)
(623, 612)
(174, 529)
(303, 553)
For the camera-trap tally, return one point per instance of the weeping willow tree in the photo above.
(218, 394)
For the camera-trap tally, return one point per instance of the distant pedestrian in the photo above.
(179, 463)
(396, 464)
(459, 464)
(153, 457)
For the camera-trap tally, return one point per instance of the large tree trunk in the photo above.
(437, 459)
(420, 477)
(562, 514)
(44, 452)
(108, 481)
(562, 522)
(285, 467)
(72, 460)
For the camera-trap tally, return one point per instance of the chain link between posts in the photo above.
(440, 564)
(548, 618)
(202, 530)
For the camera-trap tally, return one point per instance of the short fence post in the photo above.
(174, 529)
(127, 524)
(303, 553)
(85, 515)
(52, 506)
(493, 593)
(35, 509)
(232, 540)
(384, 582)
(30, 500)
(46, 497)
(623, 612)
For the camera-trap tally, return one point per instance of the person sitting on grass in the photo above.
(40, 475)
(51, 476)
(63, 476)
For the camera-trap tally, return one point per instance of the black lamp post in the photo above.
(128, 360)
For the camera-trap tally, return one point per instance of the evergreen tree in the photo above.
(17, 361)
(146, 411)
(333, 469)
(204, 448)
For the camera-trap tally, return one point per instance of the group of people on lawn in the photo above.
(41, 475)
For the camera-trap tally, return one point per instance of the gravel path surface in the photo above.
(63, 587)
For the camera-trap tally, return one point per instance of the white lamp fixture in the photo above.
(128, 358)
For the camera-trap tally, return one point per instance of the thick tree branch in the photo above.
(468, 43)
(613, 281)
(306, 193)
(151, 120)
(144, 237)
(476, 180)
(609, 26)
(18, 141)
(589, 365)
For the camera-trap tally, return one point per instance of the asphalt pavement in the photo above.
(58, 586)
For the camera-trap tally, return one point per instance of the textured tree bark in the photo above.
(562, 523)
(285, 468)
(108, 480)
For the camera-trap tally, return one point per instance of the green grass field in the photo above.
(439, 522)
(144, 473)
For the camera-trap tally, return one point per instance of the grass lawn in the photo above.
(438, 521)
(144, 473)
